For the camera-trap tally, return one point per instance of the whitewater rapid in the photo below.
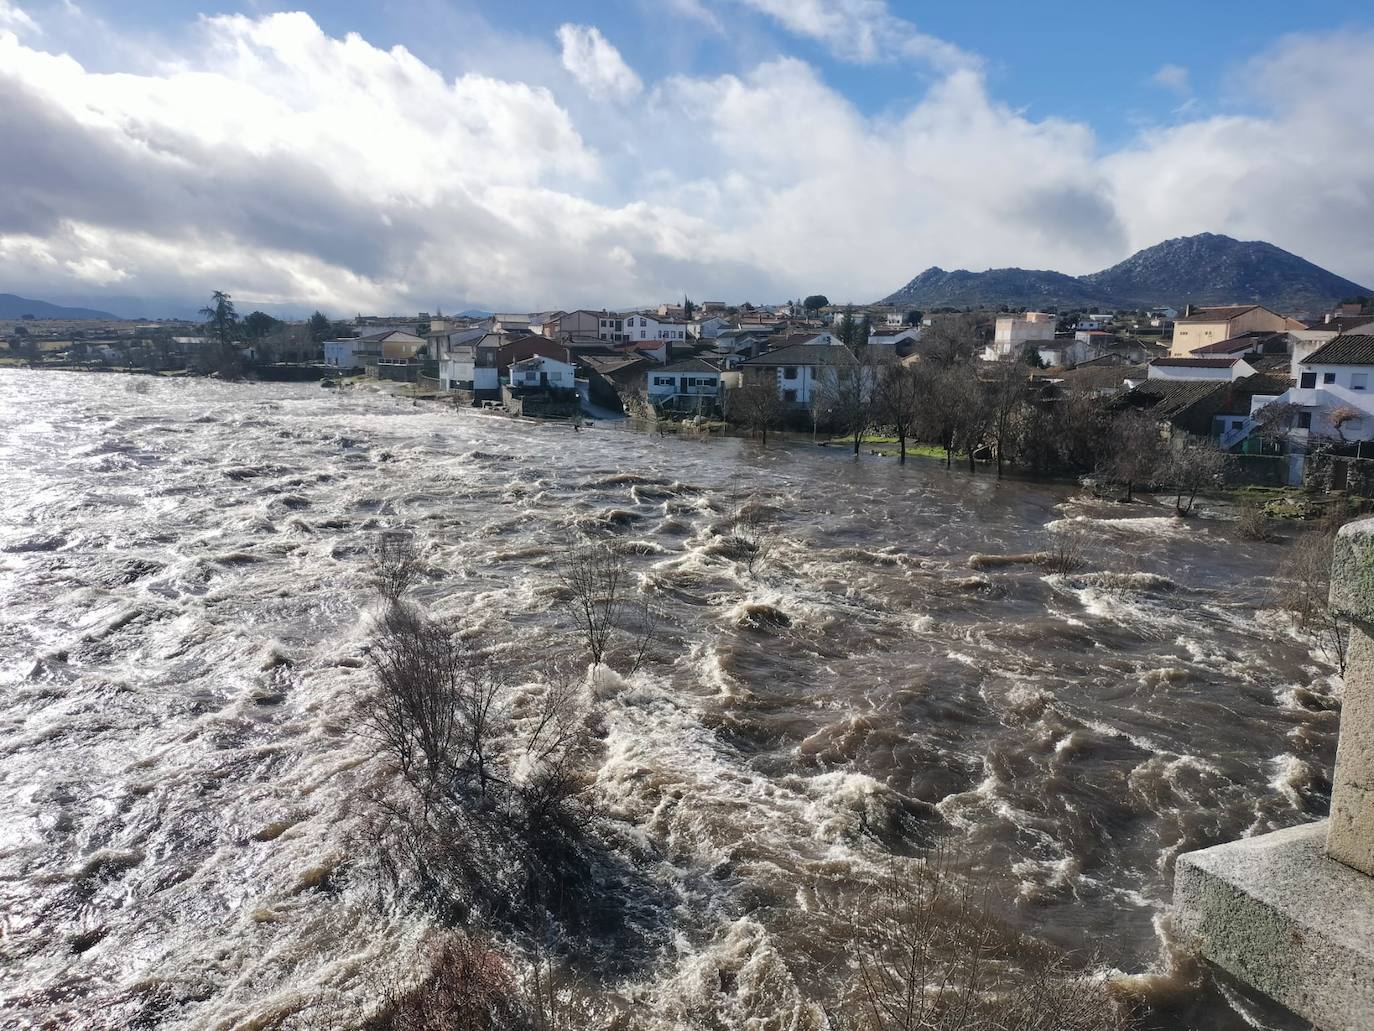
(183, 624)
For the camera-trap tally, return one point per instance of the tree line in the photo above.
(992, 412)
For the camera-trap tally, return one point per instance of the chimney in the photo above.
(1187, 310)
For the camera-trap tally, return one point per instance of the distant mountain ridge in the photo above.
(13, 306)
(1204, 269)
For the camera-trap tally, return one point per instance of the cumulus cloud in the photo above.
(596, 64)
(289, 166)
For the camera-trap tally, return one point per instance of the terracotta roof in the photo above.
(1196, 363)
(1237, 345)
(1223, 313)
(1352, 349)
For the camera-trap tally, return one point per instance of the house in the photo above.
(1203, 326)
(659, 351)
(1066, 352)
(782, 340)
(518, 349)
(349, 353)
(801, 370)
(612, 379)
(901, 339)
(1216, 370)
(398, 354)
(1011, 333)
(580, 323)
(541, 372)
(639, 327)
(510, 322)
(1203, 408)
(707, 327)
(690, 385)
(472, 367)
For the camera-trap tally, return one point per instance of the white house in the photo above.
(708, 327)
(510, 322)
(470, 366)
(638, 327)
(802, 370)
(688, 384)
(1012, 332)
(348, 353)
(1222, 370)
(541, 372)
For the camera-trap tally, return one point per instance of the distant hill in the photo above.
(15, 307)
(1203, 269)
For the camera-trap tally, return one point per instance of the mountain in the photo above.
(1204, 269)
(1014, 287)
(15, 307)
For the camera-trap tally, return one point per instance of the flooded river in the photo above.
(183, 614)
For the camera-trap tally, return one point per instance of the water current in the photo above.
(183, 617)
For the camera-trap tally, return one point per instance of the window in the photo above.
(1307, 380)
(1237, 423)
(1304, 420)
(789, 373)
(1353, 426)
(790, 396)
(1359, 380)
(1328, 377)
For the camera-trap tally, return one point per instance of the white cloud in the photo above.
(285, 165)
(1173, 77)
(596, 64)
(861, 30)
(14, 17)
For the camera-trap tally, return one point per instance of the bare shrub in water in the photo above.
(1188, 470)
(604, 603)
(1252, 524)
(1067, 553)
(498, 809)
(755, 533)
(934, 958)
(1304, 590)
(394, 566)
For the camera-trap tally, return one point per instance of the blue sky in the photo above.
(551, 154)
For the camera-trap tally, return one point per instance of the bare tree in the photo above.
(756, 404)
(942, 407)
(1341, 416)
(848, 398)
(1004, 393)
(601, 597)
(754, 533)
(952, 338)
(497, 776)
(934, 958)
(1134, 450)
(394, 565)
(900, 391)
(1191, 469)
(1305, 588)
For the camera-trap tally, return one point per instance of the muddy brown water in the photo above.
(183, 614)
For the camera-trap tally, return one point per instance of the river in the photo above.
(183, 614)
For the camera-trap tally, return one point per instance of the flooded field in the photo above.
(183, 618)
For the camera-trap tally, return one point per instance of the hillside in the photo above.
(14, 307)
(1203, 269)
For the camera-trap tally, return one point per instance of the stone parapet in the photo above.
(1352, 788)
(1278, 913)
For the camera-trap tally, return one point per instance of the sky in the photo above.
(406, 155)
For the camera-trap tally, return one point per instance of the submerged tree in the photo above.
(604, 603)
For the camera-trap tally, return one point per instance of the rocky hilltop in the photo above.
(1204, 269)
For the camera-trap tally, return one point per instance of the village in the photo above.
(1183, 400)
